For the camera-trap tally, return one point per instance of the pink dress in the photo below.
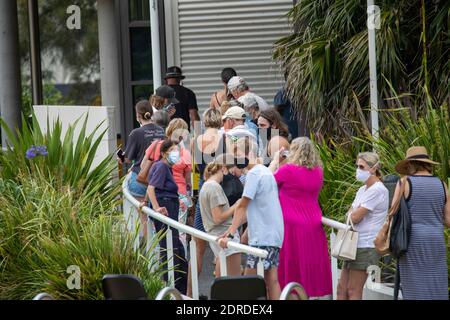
(304, 256)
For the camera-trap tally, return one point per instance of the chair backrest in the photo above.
(123, 287)
(239, 288)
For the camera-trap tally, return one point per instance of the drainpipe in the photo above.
(10, 76)
(156, 44)
(35, 52)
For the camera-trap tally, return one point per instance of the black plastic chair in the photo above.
(123, 287)
(239, 288)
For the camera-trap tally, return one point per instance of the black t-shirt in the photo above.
(139, 140)
(188, 101)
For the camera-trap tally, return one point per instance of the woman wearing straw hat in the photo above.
(423, 269)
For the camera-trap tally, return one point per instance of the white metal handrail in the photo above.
(262, 254)
(128, 198)
(168, 291)
(293, 286)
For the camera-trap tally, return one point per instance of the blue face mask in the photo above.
(173, 157)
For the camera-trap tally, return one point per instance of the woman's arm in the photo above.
(447, 208)
(219, 216)
(155, 205)
(358, 214)
(240, 215)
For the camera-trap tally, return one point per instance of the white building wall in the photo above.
(204, 36)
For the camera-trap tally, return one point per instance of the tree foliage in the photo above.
(76, 50)
(327, 67)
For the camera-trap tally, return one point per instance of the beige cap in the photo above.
(234, 113)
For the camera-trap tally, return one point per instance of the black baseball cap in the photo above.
(174, 72)
(167, 93)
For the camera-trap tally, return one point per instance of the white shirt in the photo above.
(262, 104)
(241, 131)
(376, 200)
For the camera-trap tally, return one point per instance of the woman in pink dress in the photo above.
(304, 255)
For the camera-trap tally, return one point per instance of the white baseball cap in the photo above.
(234, 113)
(235, 82)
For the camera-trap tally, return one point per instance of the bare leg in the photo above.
(357, 279)
(342, 289)
(273, 286)
(233, 265)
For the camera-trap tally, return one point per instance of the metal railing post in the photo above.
(194, 271)
(223, 263)
(334, 266)
(170, 264)
(260, 268)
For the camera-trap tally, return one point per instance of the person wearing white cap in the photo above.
(240, 89)
(234, 120)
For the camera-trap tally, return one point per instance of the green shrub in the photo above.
(59, 212)
(68, 163)
(44, 231)
(400, 131)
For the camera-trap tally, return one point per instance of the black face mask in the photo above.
(241, 163)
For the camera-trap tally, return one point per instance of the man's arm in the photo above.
(193, 114)
(240, 215)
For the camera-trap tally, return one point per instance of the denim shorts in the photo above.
(272, 260)
(136, 188)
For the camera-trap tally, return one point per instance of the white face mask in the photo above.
(362, 175)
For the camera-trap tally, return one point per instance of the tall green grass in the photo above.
(43, 231)
(57, 211)
(69, 160)
(399, 132)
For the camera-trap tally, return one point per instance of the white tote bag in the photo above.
(346, 243)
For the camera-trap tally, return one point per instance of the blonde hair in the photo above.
(225, 159)
(304, 153)
(177, 128)
(157, 102)
(212, 118)
(224, 107)
(244, 146)
(373, 161)
(211, 169)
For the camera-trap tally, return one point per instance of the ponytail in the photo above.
(211, 169)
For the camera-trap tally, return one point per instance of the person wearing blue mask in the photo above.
(163, 194)
(250, 105)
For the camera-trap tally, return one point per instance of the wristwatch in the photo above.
(230, 236)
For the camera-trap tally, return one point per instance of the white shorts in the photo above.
(228, 251)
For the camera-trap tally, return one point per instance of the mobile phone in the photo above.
(169, 107)
(285, 154)
(120, 155)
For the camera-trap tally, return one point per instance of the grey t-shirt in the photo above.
(139, 140)
(212, 196)
(264, 215)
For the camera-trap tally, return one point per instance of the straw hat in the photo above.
(414, 154)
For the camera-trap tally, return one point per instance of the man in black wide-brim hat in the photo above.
(187, 108)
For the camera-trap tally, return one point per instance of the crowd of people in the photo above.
(259, 185)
